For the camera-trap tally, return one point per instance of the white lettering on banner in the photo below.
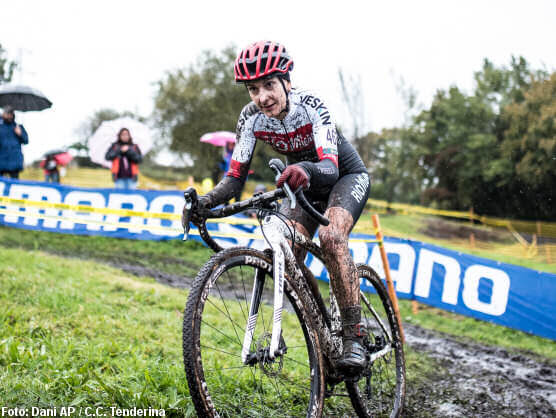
(2, 187)
(500, 289)
(78, 197)
(403, 274)
(134, 202)
(450, 290)
(359, 251)
(157, 206)
(21, 191)
(316, 267)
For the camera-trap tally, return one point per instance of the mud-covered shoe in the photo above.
(354, 357)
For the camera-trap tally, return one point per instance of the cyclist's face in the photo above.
(269, 96)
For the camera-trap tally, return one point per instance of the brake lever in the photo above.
(278, 166)
(186, 226)
(190, 196)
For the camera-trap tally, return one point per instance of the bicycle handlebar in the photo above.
(257, 201)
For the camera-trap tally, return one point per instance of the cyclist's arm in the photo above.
(324, 173)
(235, 178)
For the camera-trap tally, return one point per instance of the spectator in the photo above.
(227, 157)
(12, 136)
(50, 167)
(125, 157)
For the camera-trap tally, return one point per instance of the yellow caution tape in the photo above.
(127, 225)
(546, 229)
(122, 212)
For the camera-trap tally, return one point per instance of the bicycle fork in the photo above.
(275, 239)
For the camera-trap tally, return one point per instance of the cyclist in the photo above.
(298, 124)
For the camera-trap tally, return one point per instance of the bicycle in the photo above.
(238, 363)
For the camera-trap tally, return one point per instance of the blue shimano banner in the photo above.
(504, 294)
(91, 223)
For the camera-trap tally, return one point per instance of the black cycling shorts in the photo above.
(350, 193)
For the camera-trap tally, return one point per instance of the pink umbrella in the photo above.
(63, 158)
(219, 139)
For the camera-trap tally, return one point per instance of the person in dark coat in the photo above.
(12, 136)
(125, 157)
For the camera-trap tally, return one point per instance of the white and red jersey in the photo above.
(307, 136)
(307, 133)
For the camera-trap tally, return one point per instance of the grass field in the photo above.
(79, 333)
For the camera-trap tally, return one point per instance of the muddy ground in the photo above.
(471, 380)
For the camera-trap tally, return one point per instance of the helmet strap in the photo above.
(287, 108)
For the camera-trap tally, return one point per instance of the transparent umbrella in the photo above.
(107, 133)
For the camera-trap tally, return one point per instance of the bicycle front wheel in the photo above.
(215, 320)
(381, 391)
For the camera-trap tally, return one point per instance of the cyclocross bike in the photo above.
(248, 351)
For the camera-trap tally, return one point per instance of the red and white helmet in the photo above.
(262, 59)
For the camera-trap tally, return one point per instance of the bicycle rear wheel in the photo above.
(381, 392)
(215, 319)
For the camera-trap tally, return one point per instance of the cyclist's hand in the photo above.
(295, 176)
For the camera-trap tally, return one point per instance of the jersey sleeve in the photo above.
(245, 143)
(324, 127)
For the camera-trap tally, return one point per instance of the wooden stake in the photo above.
(548, 257)
(472, 239)
(389, 282)
(414, 307)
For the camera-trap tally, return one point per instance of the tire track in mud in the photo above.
(475, 380)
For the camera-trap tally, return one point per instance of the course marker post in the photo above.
(389, 282)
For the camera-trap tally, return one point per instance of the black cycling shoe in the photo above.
(354, 357)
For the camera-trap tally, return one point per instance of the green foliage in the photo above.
(529, 146)
(396, 175)
(492, 150)
(7, 67)
(204, 98)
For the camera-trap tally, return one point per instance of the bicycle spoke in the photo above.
(221, 333)
(221, 351)
(227, 311)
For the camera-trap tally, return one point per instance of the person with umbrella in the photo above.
(125, 157)
(53, 160)
(12, 137)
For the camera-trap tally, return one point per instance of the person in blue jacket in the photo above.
(12, 136)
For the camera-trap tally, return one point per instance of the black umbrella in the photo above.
(23, 98)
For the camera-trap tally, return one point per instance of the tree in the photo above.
(492, 150)
(7, 67)
(529, 148)
(352, 93)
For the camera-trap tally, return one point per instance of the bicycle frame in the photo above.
(278, 238)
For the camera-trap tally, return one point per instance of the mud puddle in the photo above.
(481, 381)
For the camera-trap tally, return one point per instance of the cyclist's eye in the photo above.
(269, 84)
